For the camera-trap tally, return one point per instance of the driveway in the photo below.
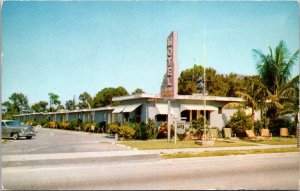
(59, 141)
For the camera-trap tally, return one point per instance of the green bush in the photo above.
(64, 125)
(152, 130)
(276, 124)
(86, 125)
(143, 131)
(58, 125)
(101, 127)
(261, 124)
(240, 122)
(125, 131)
(136, 127)
(75, 123)
(197, 127)
(43, 122)
(113, 128)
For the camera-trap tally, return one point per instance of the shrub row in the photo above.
(131, 130)
(71, 125)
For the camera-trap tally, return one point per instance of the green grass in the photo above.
(275, 141)
(227, 153)
(5, 141)
(163, 144)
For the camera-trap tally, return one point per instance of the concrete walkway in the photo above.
(260, 146)
(77, 158)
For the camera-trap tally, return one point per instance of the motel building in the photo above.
(141, 107)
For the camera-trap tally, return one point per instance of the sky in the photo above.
(69, 47)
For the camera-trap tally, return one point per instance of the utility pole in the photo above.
(169, 120)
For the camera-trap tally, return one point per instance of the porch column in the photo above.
(198, 114)
(191, 115)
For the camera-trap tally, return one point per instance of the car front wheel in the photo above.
(15, 136)
(29, 137)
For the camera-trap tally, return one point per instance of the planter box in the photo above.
(205, 143)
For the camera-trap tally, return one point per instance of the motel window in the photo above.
(219, 110)
(160, 118)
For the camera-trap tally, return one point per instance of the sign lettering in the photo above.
(170, 84)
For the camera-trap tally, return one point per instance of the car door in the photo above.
(5, 133)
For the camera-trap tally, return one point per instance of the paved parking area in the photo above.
(60, 141)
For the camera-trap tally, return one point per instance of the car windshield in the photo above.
(13, 123)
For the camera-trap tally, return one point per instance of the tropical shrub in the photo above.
(86, 126)
(52, 124)
(113, 128)
(101, 127)
(136, 127)
(65, 125)
(198, 127)
(240, 122)
(163, 131)
(142, 134)
(125, 131)
(43, 122)
(58, 126)
(152, 130)
(74, 124)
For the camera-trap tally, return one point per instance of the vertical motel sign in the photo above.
(169, 87)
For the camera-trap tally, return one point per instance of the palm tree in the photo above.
(254, 94)
(274, 71)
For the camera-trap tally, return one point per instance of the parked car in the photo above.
(14, 129)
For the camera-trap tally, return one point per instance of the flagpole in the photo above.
(204, 88)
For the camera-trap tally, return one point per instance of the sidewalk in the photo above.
(76, 158)
(258, 146)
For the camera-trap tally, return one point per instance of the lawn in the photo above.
(163, 144)
(227, 153)
(5, 141)
(275, 141)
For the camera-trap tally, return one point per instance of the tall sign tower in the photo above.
(169, 88)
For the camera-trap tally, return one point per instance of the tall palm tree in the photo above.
(275, 71)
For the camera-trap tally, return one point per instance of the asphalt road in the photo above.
(264, 171)
(59, 141)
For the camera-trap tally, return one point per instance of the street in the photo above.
(85, 167)
(267, 171)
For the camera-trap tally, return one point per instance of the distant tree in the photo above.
(104, 97)
(17, 103)
(59, 107)
(54, 100)
(137, 91)
(216, 84)
(36, 107)
(235, 83)
(70, 105)
(86, 101)
(41, 106)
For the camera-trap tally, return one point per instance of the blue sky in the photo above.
(69, 47)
